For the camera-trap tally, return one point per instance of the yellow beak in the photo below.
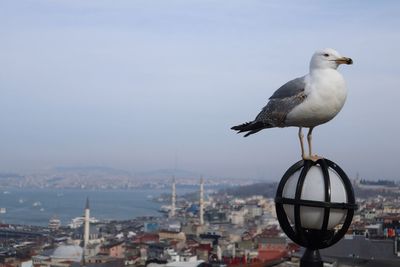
(344, 60)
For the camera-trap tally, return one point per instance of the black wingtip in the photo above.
(250, 127)
(241, 127)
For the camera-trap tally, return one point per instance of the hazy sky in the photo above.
(143, 85)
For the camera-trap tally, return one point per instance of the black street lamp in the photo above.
(315, 205)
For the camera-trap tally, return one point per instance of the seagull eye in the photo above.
(326, 55)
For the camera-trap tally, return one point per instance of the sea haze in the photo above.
(36, 207)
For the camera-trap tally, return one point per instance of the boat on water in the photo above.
(37, 204)
(54, 223)
(78, 222)
(3, 210)
(165, 208)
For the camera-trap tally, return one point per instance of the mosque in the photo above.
(84, 245)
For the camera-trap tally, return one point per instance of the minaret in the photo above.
(173, 199)
(201, 202)
(86, 229)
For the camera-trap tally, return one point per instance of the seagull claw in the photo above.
(312, 157)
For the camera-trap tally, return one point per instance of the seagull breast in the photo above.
(325, 96)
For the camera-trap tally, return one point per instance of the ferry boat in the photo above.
(37, 204)
(54, 223)
(165, 208)
(78, 221)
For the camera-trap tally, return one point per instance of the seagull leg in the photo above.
(309, 139)
(301, 136)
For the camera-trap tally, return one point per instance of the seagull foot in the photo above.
(312, 157)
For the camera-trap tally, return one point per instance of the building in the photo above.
(272, 248)
(62, 256)
(172, 235)
(115, 249)
(102, 260)
(360, 247)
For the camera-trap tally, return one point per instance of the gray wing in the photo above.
(290, 88)
(282, 102)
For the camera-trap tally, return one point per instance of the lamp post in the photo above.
(315, 205)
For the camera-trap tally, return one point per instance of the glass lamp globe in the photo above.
(313, 189)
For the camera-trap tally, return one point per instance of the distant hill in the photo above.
(168, 173)
(269, 190)
(10, 176)
(91, 169)
(379, 182)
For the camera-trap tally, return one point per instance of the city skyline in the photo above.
(139, 85)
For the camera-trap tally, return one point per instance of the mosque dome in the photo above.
(68, 252)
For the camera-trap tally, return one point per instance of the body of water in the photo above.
(36, 207)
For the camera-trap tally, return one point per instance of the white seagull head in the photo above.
(328, 58)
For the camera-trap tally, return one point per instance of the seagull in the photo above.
(305, 102)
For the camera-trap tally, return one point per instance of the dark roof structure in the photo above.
(366, 263)
(359, 247)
